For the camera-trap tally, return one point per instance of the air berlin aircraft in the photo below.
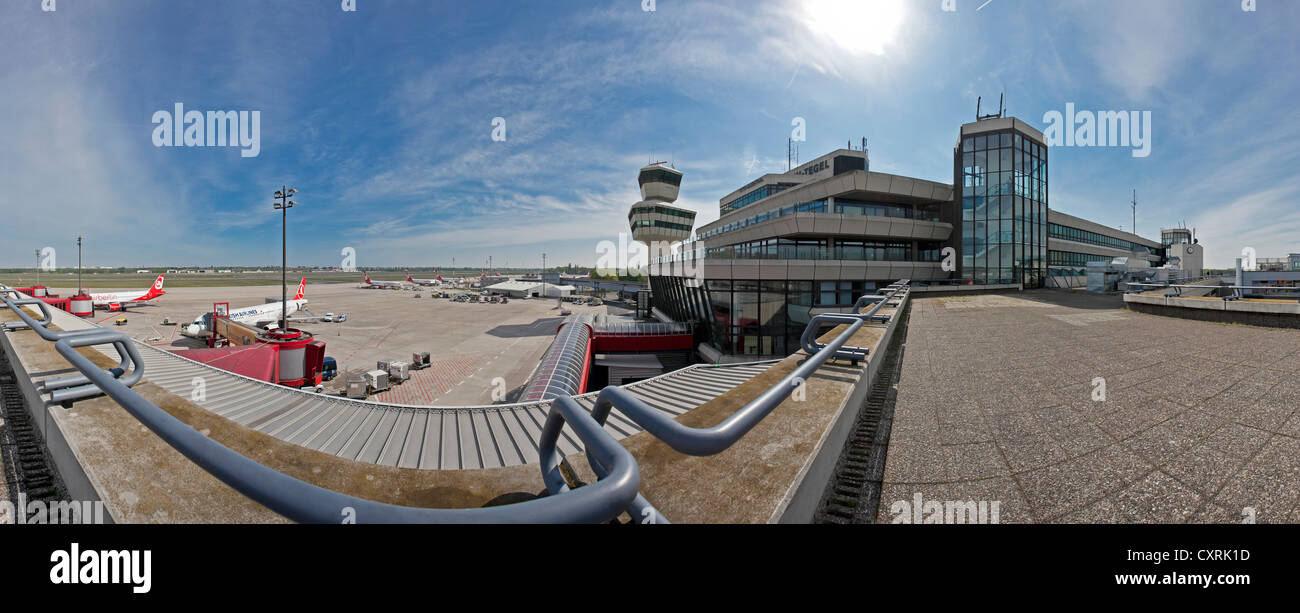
(382, 284)
(118, 301)
(421, 281)
(257, 316)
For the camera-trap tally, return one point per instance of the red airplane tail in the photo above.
(155, 290)
(302, 289)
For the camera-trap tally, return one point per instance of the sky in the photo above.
(383, 118)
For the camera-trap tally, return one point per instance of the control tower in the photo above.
(654, 219)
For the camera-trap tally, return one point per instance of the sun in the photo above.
(858, 26)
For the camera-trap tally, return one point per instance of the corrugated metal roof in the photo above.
(424, 437)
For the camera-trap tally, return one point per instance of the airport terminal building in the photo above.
(791, 245)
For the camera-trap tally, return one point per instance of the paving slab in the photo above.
(1098, 414)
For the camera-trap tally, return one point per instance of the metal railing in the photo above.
(1238, 291)
(685, 439)
(618, 476)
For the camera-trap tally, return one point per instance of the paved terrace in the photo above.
(995, 402)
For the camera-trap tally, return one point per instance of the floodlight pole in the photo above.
(284, 205)
(80, 290)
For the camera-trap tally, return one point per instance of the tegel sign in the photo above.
(814, 168)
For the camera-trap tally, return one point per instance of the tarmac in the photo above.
(480, 353)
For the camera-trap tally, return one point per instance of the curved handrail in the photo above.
(618, 476)
(303, 502)
(683, 438)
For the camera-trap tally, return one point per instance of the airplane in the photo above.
(260, 316)
(452, 280)
(425, 282)
(118, 301)
(382, 284)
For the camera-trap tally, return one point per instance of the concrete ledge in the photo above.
(1255, 312)
(940, 290)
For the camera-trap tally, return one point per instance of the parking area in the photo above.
(471, 345)
(1065, 407)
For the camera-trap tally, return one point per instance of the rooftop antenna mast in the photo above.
(997, 115)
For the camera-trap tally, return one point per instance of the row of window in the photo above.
(820, 249)
(1071, 258)
(843, 207)
(754, 196)
(817, 206)
(661, 210)
(657, 223)
(1003, 140)
(1092, 238)
(1003, 160)
(659, 175)
(922, 212)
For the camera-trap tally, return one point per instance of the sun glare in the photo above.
(858, 26)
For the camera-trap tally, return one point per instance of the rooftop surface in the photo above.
(996, 403)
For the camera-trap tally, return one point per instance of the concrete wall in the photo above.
(1273, 314)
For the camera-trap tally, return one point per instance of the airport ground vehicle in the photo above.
(399, 371)
(357, 386)
(328, 317)
(420, 360)
(330, 369)
(120, 321)
(376, 381)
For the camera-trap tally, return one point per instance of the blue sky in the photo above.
(382, 118)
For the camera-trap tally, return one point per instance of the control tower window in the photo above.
(658, 175)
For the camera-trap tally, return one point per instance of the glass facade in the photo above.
(828, 249)
(755, 196)
(764, 318)
(1003, 194)
(687, 216)
(757, 318)
(1071, 258)
(1092, 238)
(659, 175)
(842, 206)
(658, 223)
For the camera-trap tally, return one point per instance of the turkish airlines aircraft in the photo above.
(262, 315)
(118, 301)
(425, 282)
(382, 284)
